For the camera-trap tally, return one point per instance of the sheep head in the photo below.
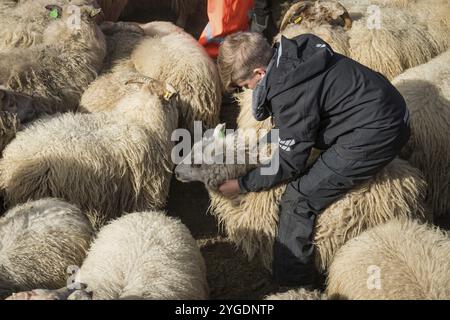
(219, 157)
(17, 104)
(77, 17)
(149, 102)
(313, 13)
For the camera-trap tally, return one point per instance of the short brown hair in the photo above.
(240, 54)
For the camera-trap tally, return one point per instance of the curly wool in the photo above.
(106, 163)
(38, 241)
(381, 50)
(426, 89)
(174, 58)
(55, 73)
(410, 258)
(22, 24)
(145, 255)
(8, 128)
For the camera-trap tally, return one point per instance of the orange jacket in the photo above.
(225, 17)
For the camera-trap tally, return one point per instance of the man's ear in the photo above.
(261, 71)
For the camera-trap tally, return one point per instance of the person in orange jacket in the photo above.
(229, 16)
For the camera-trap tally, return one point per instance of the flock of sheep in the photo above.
(87, 116)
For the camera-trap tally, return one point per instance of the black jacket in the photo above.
(320, 98)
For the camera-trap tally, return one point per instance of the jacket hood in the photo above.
(296, 61)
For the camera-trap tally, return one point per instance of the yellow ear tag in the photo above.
(298, 20)
(168, 95)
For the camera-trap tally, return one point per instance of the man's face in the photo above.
(253, 81)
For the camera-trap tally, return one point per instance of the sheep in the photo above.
(54, 75)
(38, 242)
(426, 89)
(432, 13)
(250, 221)
(107, 163)
(23, 23)
(380, 48)
(318, 18)
(377, 48)
(172, 57)
(297, 294)
(144, 255)
(401, 259)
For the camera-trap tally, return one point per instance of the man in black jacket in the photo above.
(316, 98)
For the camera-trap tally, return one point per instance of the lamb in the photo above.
(38, 242)
(144, 255)
(401, 259)
(426, 89)
(378, 48)
(250, 221)
(106, 163)
(51, 77)
(172, 57)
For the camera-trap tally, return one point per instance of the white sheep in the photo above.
(38, 242)
(401, 259)
(426, 89)
(250, 221)
(373, 37)
(106, 163)
(144, 255)
(53, 75)
(22, 23)
(172, 57)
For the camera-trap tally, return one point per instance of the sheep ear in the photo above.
(95, 12)
(219, 131)
(170, 92)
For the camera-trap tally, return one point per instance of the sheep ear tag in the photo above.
(168, 95)
(222, 134)
(94, 12)
(54, 13)
(298, 20)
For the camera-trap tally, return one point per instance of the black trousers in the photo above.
(328, 179)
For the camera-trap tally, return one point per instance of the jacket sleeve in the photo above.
(298, 128)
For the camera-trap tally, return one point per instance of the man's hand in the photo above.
(230, 188)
